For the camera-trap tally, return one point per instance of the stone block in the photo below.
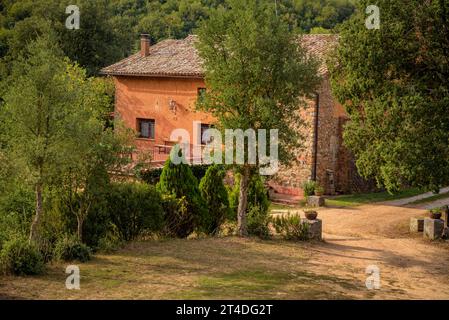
(416, 224)
(433, 228)
(445, 235)
(315, 229)
(315, 201)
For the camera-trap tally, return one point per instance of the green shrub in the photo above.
(21, 258)
(178, 222)
(309, 188)
(290, 227)
(177, 180)
(258, 222)
(257, 195)
(152, 176)
(55, 224)
(134, 208)
(69, 248)
(111, 241)
(124, 210)
(215, 195)
(98, 222)
(16, 212)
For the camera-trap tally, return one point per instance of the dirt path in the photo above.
(355, 238)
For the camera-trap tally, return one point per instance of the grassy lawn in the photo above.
(364, 198)
(278, 206)
(431, 199)
(218, 268)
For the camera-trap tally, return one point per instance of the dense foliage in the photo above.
(69, 248)
(215, 195)
(177, 180)
(109, 29)
(309, 188)
(258, 77)
(394, 85)
(257, 195)
(134, 208)
(21, 258)
(153, 175)
(291, 227)
(258, 222)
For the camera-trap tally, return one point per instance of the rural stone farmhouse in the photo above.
(156, 91)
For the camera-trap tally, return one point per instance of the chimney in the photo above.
(145, 45)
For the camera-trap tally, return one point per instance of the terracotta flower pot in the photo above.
(311, 215)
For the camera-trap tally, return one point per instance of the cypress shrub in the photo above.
(153, 176)
(177, 180)
(215, 195)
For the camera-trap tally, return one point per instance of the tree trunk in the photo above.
(79, 230)
(243, 203)
(38, 214)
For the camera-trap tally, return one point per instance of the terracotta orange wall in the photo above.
(148, 98)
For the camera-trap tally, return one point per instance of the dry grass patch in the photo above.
(215, 268)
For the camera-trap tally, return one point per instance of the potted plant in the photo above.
(311, 214)
(319, 190)
(435, 213)
(309, 188)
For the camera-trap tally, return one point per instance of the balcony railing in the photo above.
(158, 154)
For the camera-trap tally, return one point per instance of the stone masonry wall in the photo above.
(334, 161)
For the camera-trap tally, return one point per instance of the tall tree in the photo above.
(47, 104)
(394, 84)
(257, 75)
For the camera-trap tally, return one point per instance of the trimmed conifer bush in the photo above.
(177, 180)
(215, 195)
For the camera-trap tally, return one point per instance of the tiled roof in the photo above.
(179, 58)
(318, 45)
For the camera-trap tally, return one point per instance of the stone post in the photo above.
(433, 228)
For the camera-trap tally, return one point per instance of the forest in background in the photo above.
(110, 28)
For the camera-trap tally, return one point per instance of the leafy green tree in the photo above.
(257, 194)
(84, 178)
(215, 195)
(393, 83)
(257, 76)
(50, 111)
